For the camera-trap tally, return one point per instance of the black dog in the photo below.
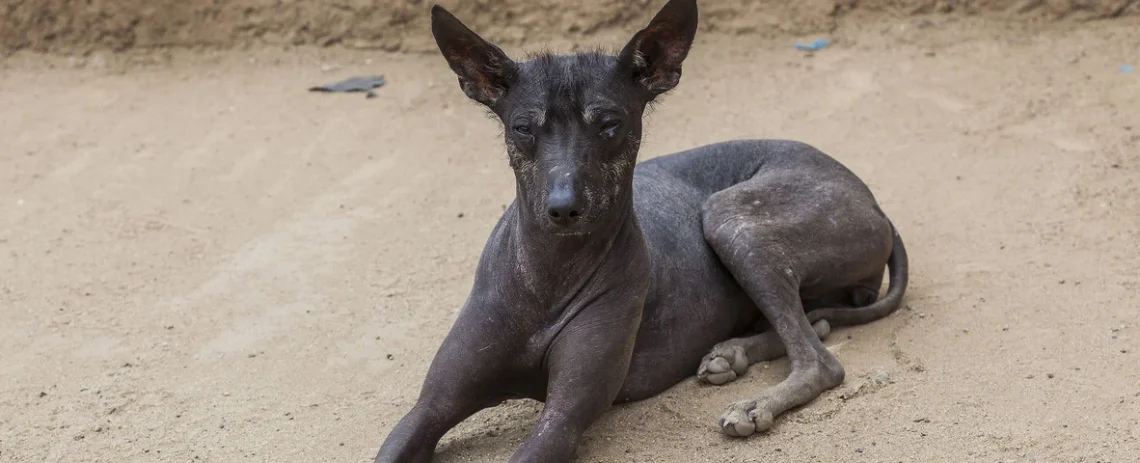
(610, 281)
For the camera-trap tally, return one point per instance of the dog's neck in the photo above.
(572, 259)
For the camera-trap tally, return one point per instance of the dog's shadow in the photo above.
(496, 433)
(490, 435)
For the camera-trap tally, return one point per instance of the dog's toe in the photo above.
(718, 379)
(723, 365)
(742, 419)
(719, 365)
(717, 371)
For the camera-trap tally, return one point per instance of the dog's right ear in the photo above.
(485, 72)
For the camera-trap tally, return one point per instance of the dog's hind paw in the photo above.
(723, 365)
(744, 418)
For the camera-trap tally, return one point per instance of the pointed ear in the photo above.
(485, 72)
(655, 53)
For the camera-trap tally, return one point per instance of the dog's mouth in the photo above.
(585, 225)
(582, 227)
(570, 233)
(595, 216)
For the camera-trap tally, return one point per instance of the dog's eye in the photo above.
(609, 126)
(521, 129)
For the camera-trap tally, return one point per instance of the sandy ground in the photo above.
(200, 261)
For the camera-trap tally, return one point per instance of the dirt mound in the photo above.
(66, 26)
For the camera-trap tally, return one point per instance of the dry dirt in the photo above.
(72, 26)
(201, 261)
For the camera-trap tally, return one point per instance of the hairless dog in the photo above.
(609, 281)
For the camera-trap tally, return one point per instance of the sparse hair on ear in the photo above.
(654, 55)
(485, 72)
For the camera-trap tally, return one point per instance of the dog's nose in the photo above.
(563, 206)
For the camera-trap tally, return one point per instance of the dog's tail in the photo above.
(897, 264)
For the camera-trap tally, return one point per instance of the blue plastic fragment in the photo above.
(818, 44)
(1127, 69)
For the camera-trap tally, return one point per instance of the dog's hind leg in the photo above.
(756, 242)
(730, 359)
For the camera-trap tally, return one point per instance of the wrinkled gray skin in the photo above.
(606, 283)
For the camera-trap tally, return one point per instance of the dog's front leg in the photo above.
(461, 381)
(587, 364)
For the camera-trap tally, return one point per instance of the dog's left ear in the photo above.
(655, 53)
(485, 72)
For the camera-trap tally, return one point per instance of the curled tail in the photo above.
(897, 265)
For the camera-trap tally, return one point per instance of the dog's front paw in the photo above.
(723, 365)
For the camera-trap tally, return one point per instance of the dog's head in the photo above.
(572, 123)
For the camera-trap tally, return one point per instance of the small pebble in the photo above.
(390, 356)
(459, 215)
(1050, 375)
